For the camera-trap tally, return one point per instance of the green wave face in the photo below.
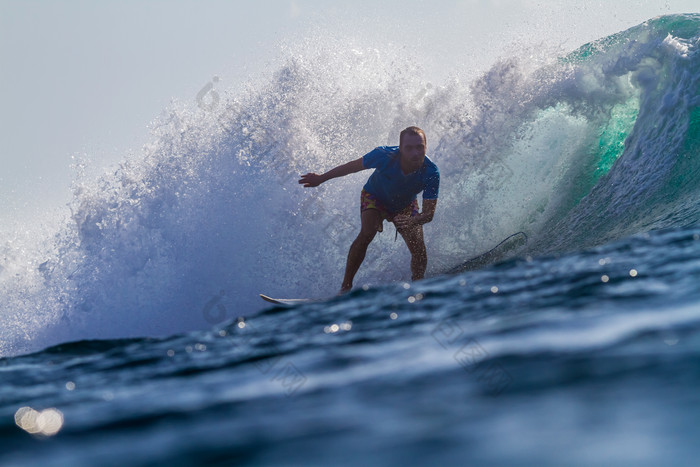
(594, 146)
(614, 134)
(640, 89)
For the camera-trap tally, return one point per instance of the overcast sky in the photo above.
(86, 77)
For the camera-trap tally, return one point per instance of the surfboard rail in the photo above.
(495, 254)
(285, 301)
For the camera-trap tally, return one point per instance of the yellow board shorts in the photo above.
(369, 201)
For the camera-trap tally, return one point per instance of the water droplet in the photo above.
(47, 422)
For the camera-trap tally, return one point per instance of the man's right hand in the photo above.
(311, 180)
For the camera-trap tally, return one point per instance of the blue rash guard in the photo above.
(394, 189)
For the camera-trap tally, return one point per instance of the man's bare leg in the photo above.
(371, 220)
(416, 245)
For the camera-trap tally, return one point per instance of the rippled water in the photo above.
(531, 362)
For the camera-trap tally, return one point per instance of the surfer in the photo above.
(401, 172)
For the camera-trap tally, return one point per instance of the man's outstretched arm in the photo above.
(312, 179)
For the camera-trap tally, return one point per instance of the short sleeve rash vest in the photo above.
(394, 189)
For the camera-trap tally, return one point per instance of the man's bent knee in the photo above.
(365, 237)
(413, 238)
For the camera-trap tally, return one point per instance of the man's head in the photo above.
(412, 146)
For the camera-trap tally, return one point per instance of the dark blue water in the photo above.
(555, 367)
(581, 347)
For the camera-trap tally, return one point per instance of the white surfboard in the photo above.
(285, 301)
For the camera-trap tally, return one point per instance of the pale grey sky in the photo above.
(86, 77)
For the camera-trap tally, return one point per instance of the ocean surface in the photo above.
(132, 332)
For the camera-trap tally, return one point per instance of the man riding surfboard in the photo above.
(401, 172)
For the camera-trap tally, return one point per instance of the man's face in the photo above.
(412, 149)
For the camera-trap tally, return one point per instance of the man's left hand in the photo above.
(403, 222)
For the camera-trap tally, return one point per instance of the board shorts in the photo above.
(369, 201)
